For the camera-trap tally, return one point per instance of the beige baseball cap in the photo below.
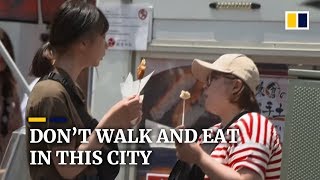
(238, 65)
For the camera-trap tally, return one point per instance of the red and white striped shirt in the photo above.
(258, 147)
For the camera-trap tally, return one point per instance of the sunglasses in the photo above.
(216, 75)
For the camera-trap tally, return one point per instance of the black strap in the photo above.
(184, 171)
(80, 106)
(105, 170)
(209, 147)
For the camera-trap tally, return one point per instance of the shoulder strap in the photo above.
(234, 120)
(105, 170)
(208, 148)
(80, 106)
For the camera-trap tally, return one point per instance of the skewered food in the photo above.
(141, 69)
(185, 95)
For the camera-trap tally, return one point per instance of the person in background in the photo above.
(76, 41)
(10, 114)
(231, 83)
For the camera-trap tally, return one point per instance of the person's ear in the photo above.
(237, 86)
(83, 44)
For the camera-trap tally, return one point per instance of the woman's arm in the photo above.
(71, 171)
(193, 154)
(15, 121)
(215, 170)
(119, 116)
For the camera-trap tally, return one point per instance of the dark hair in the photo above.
(9, 85)
(7, 77)
(246, 99)
(75, 19)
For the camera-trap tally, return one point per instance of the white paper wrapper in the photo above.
(130, 88)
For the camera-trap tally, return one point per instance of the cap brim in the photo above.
(201, 69)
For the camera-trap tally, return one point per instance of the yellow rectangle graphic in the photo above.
(291, 20)
(36, 119)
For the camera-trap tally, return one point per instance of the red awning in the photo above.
(27, 10)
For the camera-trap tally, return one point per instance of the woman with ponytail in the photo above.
(76, 41)
(231, 83)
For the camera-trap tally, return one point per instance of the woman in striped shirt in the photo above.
(231, 83)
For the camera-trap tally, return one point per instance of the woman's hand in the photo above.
(122, 113)
(188, 152)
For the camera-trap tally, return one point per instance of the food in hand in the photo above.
(141, 69)
(185, 95)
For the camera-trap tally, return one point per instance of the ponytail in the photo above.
(42, 61)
